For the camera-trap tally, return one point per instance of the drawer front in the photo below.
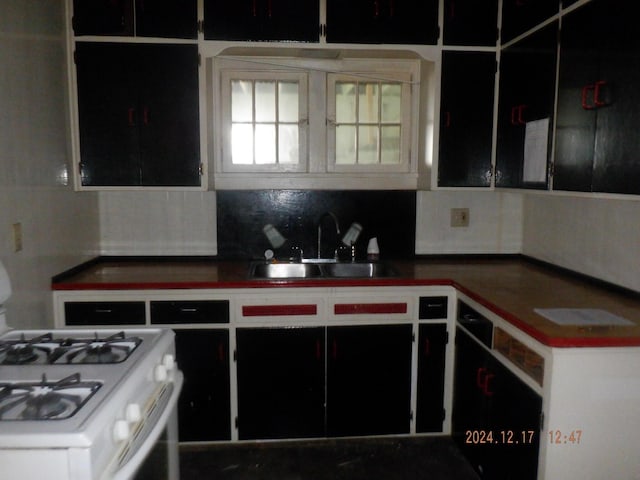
(104, 313)
(433, 307)
(189, 311)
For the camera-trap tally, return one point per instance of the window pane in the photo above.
(390, 145)
(265, 144)
(346, 144)
(288, 102)
(265, 101)
(391, 103)
(242, 144)
(241, 101)
(345, 102)
(368, 103)
(368, 145)
(288, 144)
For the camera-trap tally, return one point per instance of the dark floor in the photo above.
(428, 458)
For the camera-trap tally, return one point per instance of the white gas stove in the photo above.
(87, 404)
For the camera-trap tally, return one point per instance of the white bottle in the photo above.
(373, 251)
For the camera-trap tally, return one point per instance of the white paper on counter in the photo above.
(582, 316)
(536, 140)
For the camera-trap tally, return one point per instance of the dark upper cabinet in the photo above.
(470, 22)
(145, 18)
(382, 21)
(466, 119)
(285, 20)
(281, 378)
(138, 114)
(432, 346)
(597, 146)
(204, 410)
(518, 16)
(526, 93)
(490, 400)
(369, 379)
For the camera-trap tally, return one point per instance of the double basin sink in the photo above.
(306, 269)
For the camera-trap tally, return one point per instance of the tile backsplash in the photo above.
(388, 215)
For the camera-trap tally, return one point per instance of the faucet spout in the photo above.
(337, 226)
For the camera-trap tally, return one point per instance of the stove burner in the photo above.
(25, 351)
(113, 349)
(45, 400)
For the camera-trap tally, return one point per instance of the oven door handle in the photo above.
(128, 470)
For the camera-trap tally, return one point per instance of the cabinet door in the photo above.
(138, 114)
(527, 93)
(432, 345)
(518, 16)
(382, 21)
(103, 17)
(466, 120)
(368, 379)
(167, 18)
(596, 147)
(262, 20)
(169, 115)
(470, 22)
(204, 412)
(281, 375)
(107, 77)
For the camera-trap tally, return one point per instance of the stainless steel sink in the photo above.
(321, 270)
(284, 270)
(358, 270)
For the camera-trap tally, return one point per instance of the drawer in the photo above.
(104, 313)
(478, 325)
(433, 307)
(189, 311)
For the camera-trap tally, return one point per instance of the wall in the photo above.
(60, 227)
(495, 222)
(595, 236)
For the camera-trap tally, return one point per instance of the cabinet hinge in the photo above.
(201, 169)
(200, 26)
(80, 168)
(446, 337)
(75, 57)
(413, 337)
(235, 422)
(235, 355)
(552, 169)
(199, 60)
(411, 415)
(444, 413)
(541, 421)
(323, 30)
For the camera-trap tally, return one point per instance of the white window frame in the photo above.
(226, 77)
(404, 79)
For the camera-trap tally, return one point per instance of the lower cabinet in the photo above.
(368, 379)
(431, 346)
(496, 417)
(204, 409)
(281, 374)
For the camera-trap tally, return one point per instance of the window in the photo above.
(264, 121)
(369, 123)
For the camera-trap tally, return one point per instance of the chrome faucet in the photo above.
(335, 221)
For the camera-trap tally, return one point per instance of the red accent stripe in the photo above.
(363, 308)
(276, 310)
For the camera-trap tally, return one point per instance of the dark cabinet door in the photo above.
(382, 21)
(496, 416)
(262, 20)
(527, 93)
(368, 379)
(466, 120)
(518, 16)
(432, 345)
(470, 22)
(281, 379)
(138, 114)
(596, 145)
(204, 412)
(157, 18)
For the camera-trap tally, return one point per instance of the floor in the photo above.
(432, 458)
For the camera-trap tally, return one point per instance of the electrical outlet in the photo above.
(17, 237)
(459, 217)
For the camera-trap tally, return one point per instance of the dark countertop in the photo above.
(509, 286)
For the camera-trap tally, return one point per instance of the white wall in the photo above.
(495, 222)
(60, 227)
(158, 223)
(599, 237)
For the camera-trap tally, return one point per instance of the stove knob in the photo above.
(121, 431)
(160, 374)
(169, 361)
(132, 413)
